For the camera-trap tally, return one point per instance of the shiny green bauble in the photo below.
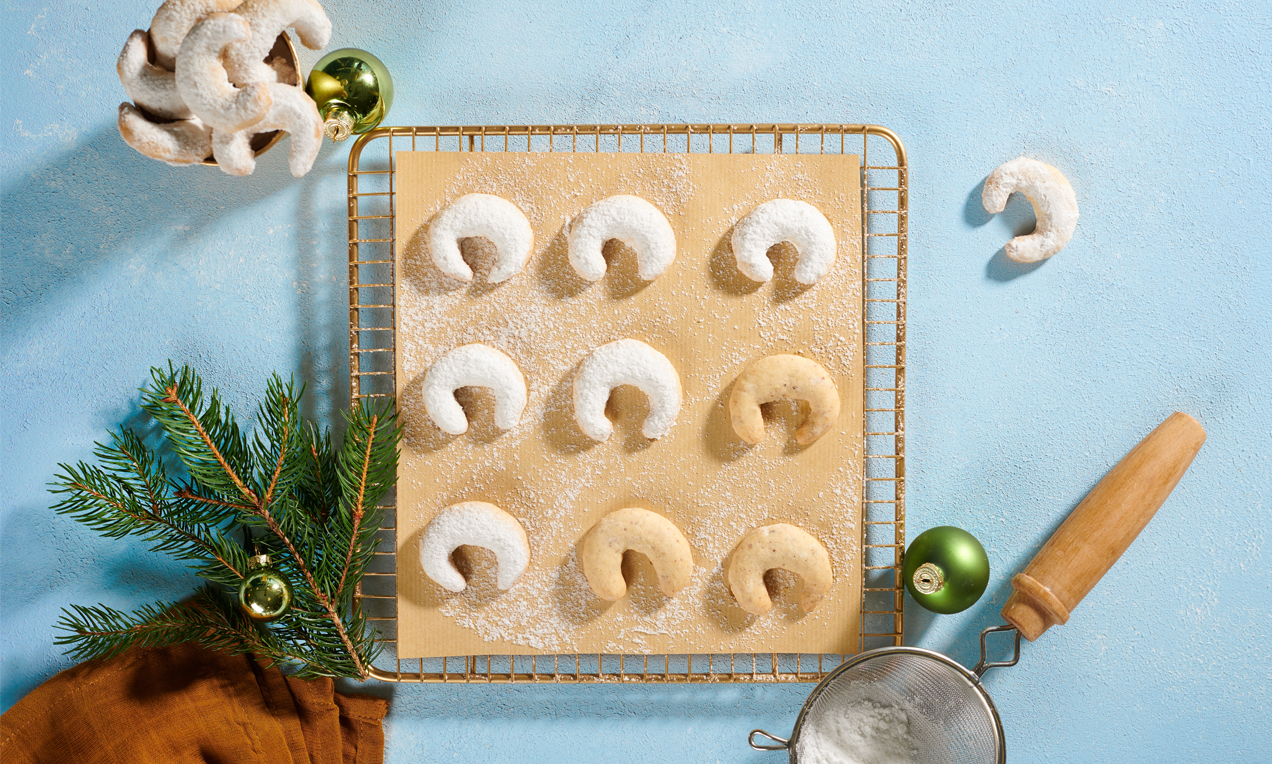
(265, 594)
(946, 569)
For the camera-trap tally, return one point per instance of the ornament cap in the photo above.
(338, 124)
(928, 579)
(258, 561)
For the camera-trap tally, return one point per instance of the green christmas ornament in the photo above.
(946, 569)
(265, 594)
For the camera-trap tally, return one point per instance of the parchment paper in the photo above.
(710, 321)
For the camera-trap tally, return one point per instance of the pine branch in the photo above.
(317, 508)
(357, 509)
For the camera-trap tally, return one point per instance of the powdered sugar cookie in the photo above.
(487, 216)
(1054, 203)
(778, 546)
(776, 377)
(291, 110)
(473, 523)
(174, 20)
(633, 221)
(626, 362)
(203, 84)
(267, 19)
(177, 143)
(781, 220)
(474, 365)
(649, 533)
(150, 87)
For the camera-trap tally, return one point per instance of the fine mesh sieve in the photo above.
(951, 718)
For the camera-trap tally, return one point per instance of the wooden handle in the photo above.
(1100, 529)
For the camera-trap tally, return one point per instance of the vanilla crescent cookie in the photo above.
(640, 530)
(488, 216)
(474, 365)
(174, 20)
(780, 220)
(1054, 203)
(179, 144)
(202, 81)
(776, 377)
(267, 19)
(473, 523)
(633, 221)
(626, 362)
(292, 111)
(150, 87)
(778, 546)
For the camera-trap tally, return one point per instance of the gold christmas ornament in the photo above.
(265, 594)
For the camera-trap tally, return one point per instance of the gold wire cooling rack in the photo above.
(372, 343)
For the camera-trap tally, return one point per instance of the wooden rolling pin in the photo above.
(1100, 529)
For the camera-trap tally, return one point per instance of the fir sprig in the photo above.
(314, 509)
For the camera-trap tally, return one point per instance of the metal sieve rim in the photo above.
(971, 679)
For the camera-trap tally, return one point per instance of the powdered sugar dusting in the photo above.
(861, 732)
(709, 321)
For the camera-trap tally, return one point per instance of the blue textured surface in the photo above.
(1026, 382)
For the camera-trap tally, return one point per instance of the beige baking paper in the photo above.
(710, 321)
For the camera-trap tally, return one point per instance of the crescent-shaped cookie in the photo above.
(267, 19)
(1054, 203)
(474, 365)
(150, 87)
(292, 111)
(639, 530)
(488, 216)
(776, 377)
(202, 81)
(473, 523)
(174, 20)
(182, 143)
(778, 546)
(633, 221)
(626, 362)
(780, 220)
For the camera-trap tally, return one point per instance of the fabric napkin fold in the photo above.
(172, 705)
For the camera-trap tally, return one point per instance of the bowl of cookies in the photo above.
(217, 83)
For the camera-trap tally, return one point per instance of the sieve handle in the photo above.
(782, 745)
(1101, 527)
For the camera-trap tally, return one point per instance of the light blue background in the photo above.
(1026, 383)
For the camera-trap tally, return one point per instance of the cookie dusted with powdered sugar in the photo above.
(474, 365)
(633, 221)
(779, 220)
(1054, 203)
(626, 362)
(474, 523)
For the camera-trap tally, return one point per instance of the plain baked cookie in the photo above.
(640, 530)
(473, 523)
(775, 377)
(780, 220)
(1054, 203)
(781, 546)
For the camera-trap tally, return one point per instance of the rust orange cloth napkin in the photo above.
(174, 705)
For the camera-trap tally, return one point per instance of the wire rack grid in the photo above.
(372, 344)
